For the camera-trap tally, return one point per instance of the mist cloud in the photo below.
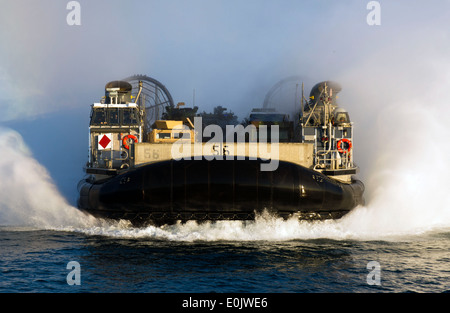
(395, 76)
(230, 52)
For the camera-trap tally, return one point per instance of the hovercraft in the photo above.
(160, 171)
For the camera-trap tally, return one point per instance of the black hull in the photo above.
(168, 191)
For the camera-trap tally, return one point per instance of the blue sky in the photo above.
(231, 52)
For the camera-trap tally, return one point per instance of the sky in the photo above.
(231, 52)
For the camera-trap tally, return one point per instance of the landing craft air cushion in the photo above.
(132, 173)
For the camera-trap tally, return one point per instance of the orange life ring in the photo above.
(339, 143)
(125, 141)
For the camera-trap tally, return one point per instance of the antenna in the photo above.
(139, 93)
(303, 90)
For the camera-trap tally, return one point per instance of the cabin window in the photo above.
(129, 117)
(113, 116)
(98, 117)
(163, 135)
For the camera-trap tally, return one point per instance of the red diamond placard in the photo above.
(104, 142)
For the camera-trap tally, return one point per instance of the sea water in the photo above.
(234, 258)
(398, 242)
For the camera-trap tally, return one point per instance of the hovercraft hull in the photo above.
(170, 191)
